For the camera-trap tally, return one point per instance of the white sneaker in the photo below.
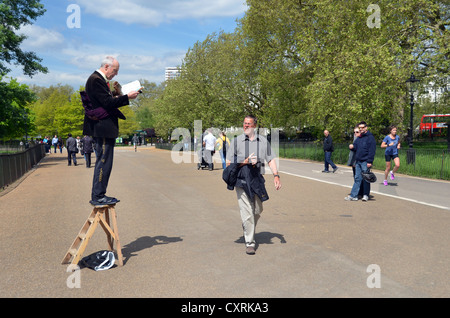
(365, 198)
(349, 198)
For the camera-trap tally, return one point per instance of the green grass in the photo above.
(428, 163)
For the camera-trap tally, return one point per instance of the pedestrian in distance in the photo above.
(135, 141)
(351, 158)
(71, 146)
(209, 142)
(328, 149)
(45, 141)
(392, 144)
(351, 155)
(87, 145)
(364, 148)
(55, 142)
(60, 144)
(249, 151)
(79, 146)
(105, 130)
(223, 144)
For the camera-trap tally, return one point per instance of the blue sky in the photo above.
(144, 35)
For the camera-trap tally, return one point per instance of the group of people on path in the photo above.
(362, 154)
(210, 143)
(85, 146)
(56, 142)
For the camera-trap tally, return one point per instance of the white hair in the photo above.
(109, 60)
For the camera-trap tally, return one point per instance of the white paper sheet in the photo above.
(132, 86)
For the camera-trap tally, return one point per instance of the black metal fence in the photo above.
(14, 165)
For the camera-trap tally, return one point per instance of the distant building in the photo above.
(434, 91)
(172, 72)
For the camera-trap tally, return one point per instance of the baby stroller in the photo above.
(202, 162)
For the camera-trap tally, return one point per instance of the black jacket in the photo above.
(71, 144)
(251, 180)
(101, 96)
(229, 175)
(365, 147)
(247, 177)
(87, 144)
(328, 144)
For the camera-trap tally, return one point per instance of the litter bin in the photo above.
(411, 156)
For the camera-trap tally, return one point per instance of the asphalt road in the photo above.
(182, 238)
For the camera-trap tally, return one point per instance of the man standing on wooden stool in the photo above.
(105, 131)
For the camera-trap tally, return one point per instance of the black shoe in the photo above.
(104, 201)
(334, 169)
(325, 171)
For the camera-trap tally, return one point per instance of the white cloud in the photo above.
(155, 12)
(53, 78)
(40, 38)
(89, 57)
(79, 62)
(73, 54)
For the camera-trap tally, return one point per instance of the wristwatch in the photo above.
(276, 175)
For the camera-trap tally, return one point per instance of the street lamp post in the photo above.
(412, 80)
(410, 158)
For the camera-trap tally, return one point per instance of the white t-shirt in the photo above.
(209, 141)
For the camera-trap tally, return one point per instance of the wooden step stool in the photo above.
(105, 215)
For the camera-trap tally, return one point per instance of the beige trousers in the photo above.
(250, 213)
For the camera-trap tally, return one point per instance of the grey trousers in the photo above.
(250, 213)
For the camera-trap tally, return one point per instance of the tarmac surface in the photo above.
(181, 233)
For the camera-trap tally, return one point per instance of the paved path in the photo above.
(181, 234)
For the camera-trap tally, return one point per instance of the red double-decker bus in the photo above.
(434, 123)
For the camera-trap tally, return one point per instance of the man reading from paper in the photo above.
(104, 131)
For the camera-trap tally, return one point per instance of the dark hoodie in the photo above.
(364, 147)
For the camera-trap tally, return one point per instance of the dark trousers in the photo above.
(72, 155)
(103, 166)
(87, 158)
(328, 160)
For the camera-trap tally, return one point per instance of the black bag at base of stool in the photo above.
(99, 261)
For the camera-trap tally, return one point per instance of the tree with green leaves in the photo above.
(210, 87)
(58, 110)
(324, 64)
(14, 115)
(13, 15)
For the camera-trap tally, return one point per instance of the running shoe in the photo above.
(392, 175)
(349, 198)
(385, 182)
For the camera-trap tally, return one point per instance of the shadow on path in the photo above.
(144, 242)
(264, 238)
